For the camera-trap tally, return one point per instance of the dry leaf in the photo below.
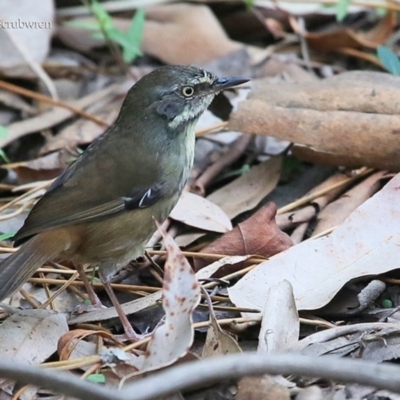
(367, 243)
(336, 212)
(246, 192)
(257, 388)
(185, 34)
(31, 336)
(305, 214)
(175, 34)
(280, 326)
(181, 294)
(217, 342)
(344, 37)
(258, 235)
(350, 119)
(42, 168)
(196, 211)
(83, 131)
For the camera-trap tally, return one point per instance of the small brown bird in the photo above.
(101, 210)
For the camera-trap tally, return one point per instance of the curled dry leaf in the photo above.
(305, 214)
(196, 211)
(70, 340)
(367, 243)
(258, 235)
(336, 212)
(345, 37)
(181, 294)
(350, 119)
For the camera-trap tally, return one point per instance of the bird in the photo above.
(102, 209)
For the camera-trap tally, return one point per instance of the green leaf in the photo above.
(6, 236)
(3, 132)
(4, 156)
(389, 60)
(105, 20)
(134, 36)
(342, 9)
(127, 46)
(249, 4)
(96, 378)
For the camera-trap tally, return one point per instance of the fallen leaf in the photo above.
(196, 211)
(48, 119)
(265, 387)
(181, 294)
(174, 34)
(31, 336)
(365, 244)
(70, 340)
(347, 37)
(292, 218)
(42, 168)
(246, 192)
(280, 325)
(334, 120)
(83, 131)
(217, 342)
(337, 211)
(258, 235)
(185, 34)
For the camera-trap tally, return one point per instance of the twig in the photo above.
(238, 148)
(306, 199)
(212, 129)
(50, 118)
(215, 369)
(60, 382)
(49, 100)
(35, 66)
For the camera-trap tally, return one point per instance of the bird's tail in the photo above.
(21, 265)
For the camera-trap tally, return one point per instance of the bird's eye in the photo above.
(188, 91)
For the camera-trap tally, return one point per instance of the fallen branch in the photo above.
(213, 370)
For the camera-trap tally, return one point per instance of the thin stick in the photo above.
(215, 369)
(212, 129)
(306, 199)
(45, 99)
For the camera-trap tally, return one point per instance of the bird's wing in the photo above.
(93, 188)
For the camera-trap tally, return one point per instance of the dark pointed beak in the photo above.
(226, 83)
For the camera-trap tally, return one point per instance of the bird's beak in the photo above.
(226, 83)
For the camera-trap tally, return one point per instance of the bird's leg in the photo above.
(105, 279)
(94, 299)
